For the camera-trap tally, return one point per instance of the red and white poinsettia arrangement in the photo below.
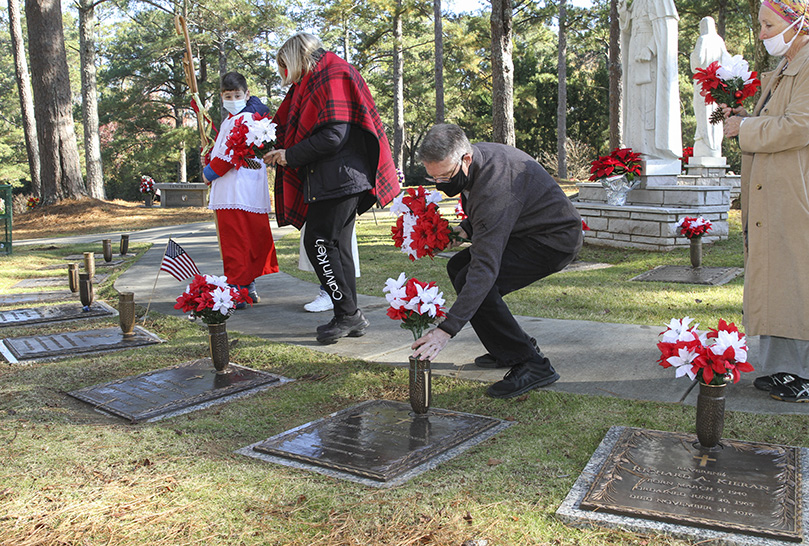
(147, 184)
(420, 230)
(694, 227)
(729, 83)
(250, 136)
(417, 304)
(211, 299)
(713, 357)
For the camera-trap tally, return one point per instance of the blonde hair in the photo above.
(296, 57)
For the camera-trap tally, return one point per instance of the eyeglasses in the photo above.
(445, 178)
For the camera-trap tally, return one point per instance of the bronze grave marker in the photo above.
(38, 347)
(190, 385)
(746, 487)
(378, 440)
(714, 276)
(53, 313)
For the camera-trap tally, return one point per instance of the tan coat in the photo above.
(775, 204)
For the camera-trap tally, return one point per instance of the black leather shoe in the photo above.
(767, 382)
(344, 325)
(522, 378)
(794, 391)
(488, 361)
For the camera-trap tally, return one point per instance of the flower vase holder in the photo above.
(420, 385)
(73, 277)
(617, 188)
(148, 199)
(124, 248)
(126, 313)
(106, 249)
(219, 347)
(710, 416)
(90, 264)
(696, 252)
(86, 295)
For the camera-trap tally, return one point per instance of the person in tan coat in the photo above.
(774, 140)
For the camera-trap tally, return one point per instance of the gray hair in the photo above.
(444, 141)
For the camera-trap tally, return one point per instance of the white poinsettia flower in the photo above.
(261, 131)
(725, 340)
(408, 224)
(734, 67)
(431, 299)
(397, 207)
(433, 197)
(396, 291)
(222, 300)
(221, 282)
(682, 362)
(395, 284)
(680, 330)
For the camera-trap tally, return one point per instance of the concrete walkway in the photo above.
(596, 358)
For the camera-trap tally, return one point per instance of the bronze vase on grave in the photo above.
(124, 244)
(86, 290)
(219, 347)
(106, 246)
(126, 313)
(73, 277)
(696, 252)
(90, 264)
(710, 415)
(420, 385)
(148, 199)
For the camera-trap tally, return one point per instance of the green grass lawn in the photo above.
(72, 476)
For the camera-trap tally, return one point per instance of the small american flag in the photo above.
(178, 263)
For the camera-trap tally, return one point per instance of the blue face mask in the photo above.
(234, 106)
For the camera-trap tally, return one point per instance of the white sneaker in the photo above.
(321, 303)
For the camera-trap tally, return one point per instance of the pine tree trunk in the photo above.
(439, 62)
(561, 109)
(89, 94)
(616, 115)
(60, 169)
(398, 85)
(502, 73)
(24, 90)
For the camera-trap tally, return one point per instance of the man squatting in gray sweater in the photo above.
(522, 227)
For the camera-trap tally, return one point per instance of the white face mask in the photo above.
(234, 106)
(777, 46)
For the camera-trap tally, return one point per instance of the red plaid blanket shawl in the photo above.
(333, 92)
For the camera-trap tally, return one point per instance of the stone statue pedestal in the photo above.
(660, 172)
(707, 166)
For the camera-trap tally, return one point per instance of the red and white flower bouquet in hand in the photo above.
(211, 299)
(420, 230)
(250, 136)
(729, 83)
(712, 357)
(694, 227)
(417, 304)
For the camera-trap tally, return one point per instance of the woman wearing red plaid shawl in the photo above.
(334, 163)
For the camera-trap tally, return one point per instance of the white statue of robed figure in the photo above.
(710, 47)
(651, 105)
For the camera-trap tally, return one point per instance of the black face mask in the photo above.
(454, 185)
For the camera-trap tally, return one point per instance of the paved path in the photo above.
(592, 357)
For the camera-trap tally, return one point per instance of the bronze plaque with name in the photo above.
(54, 313)
(714, 276)
(37, 297)
(167, 390)
(745, 487)
(378, 439)
(26, 348)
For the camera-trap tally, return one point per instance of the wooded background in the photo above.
(110, 102)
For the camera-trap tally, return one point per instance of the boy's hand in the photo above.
(276, 157)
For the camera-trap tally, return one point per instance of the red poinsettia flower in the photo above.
(620, 161)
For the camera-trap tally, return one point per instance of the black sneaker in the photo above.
(794, 391)
(767, 382)
(522, 378)
(488, 361)
(344, 325)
